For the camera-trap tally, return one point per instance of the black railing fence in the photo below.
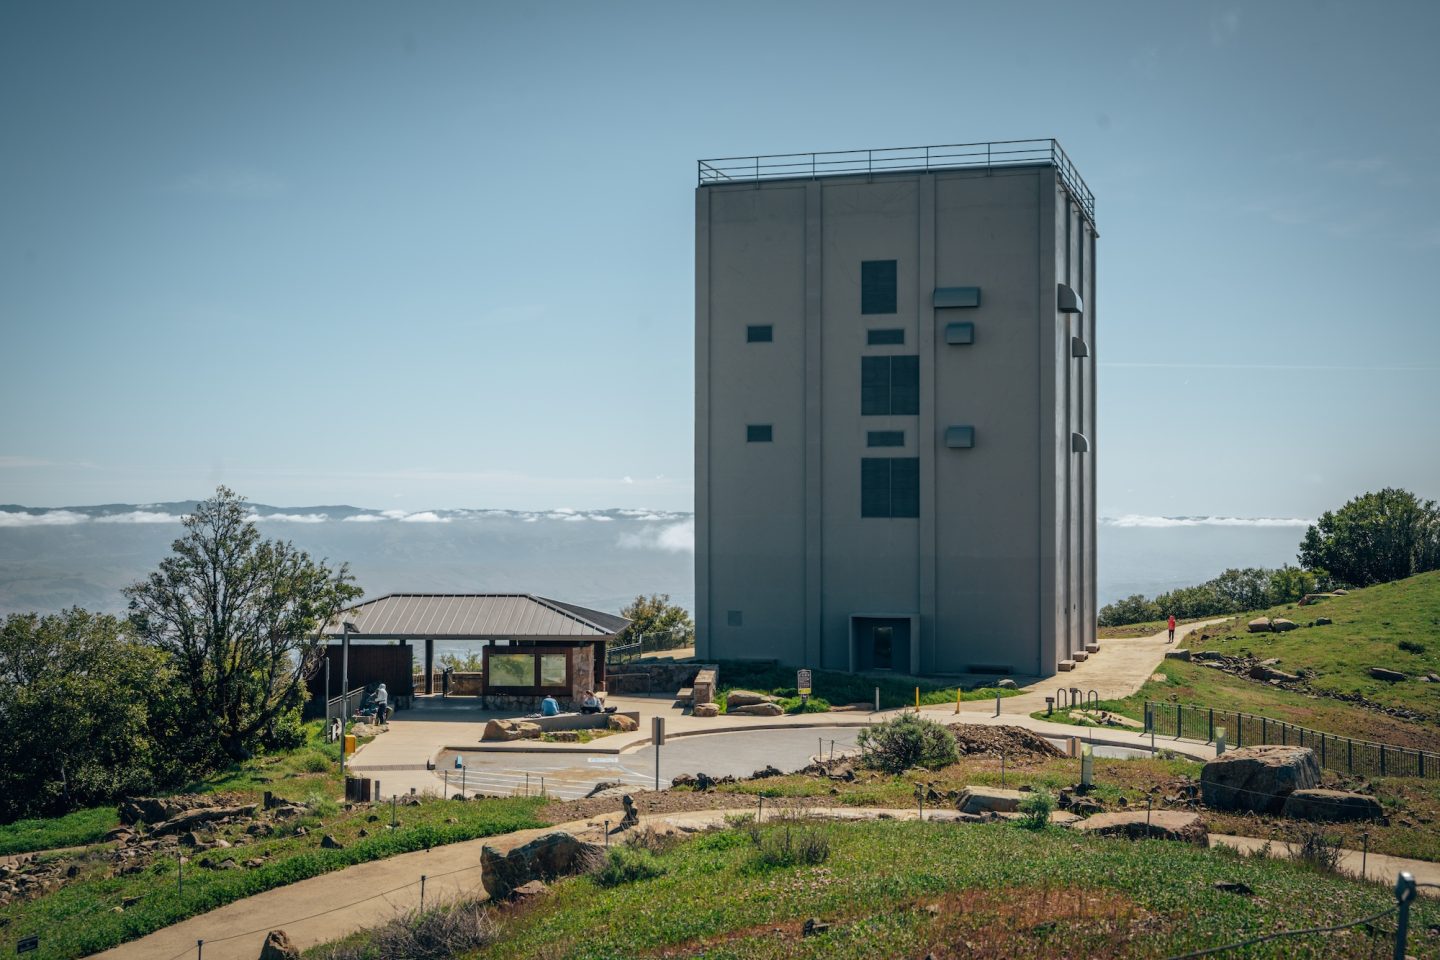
(949, 156)
(1342, 754)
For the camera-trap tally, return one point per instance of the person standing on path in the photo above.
(1172, 629)
(382, 705)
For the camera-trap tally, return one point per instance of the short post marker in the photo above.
(957, 699)
(877, 699)
(917, 698)
(392, 811)
(422, 892)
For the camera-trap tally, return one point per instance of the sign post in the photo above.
(802, 684)
(657, 737)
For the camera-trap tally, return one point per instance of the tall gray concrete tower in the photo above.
(895, 409)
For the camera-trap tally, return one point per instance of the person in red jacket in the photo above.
(1172, 629)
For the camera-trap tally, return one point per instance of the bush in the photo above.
(791, 847)
(1317, 850)
(1037, 807)
(316, 762)
(908, 740)
(449, 931)
(1412, 646)
(627, 864)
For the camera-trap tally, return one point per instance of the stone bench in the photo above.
(1066, 665)
(685, 694)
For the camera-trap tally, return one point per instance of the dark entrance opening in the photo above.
(882, 643)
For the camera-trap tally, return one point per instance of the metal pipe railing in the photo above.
(988, 156)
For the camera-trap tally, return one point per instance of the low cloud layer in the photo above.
(1140, 520)
(671, 538)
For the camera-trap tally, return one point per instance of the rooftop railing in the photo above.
(950, 156)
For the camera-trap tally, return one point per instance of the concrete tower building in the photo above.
(895, 409)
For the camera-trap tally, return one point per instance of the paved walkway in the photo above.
(333, 905)
(398, 758)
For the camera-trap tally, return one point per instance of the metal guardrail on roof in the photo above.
(950, 156)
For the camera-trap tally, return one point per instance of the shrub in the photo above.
(791, 847)
(320, 805)
(1412, 646)
(315, 762)
(1037, 807)
(1317, 850)
(905, 741)
(449, 931)
(627, 864)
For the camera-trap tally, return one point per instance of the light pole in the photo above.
(346, 628)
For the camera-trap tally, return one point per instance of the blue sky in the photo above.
(440, 255)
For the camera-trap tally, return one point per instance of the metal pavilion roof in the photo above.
(475, 616)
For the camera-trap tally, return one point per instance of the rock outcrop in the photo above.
(1258, 778)
(1332, 806)
(545, 858)
(1161, 825)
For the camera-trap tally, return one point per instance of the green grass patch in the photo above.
(896, 888)
(834, 687)
(78, 919)
(71, 830)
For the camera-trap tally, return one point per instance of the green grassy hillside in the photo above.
(1393, 625)
(908, 889)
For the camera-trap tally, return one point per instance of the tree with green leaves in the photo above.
(240, 618)
(1375, 538)
(658, 623)
(81, 704)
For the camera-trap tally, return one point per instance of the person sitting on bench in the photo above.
(591, 703)
(549, 707)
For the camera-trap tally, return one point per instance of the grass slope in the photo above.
(81, 917)
(893, 889)
(1369, 629)
(71, 830)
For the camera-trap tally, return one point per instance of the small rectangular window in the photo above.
(877, 286)
(759, 433)
(905, 385)
(905, 487)
(874, 386)
(885, 438)
(875, 487)
(890, 487)
(882, 338)
(759, 333)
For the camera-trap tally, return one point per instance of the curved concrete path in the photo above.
(398, 758)
(333, 905)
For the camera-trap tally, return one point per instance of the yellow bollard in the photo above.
(349, 743)
(957, 699)
(917, 699)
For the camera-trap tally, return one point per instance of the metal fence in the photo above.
(1343, 754)
(947, 156)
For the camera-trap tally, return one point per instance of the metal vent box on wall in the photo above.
(956, 297)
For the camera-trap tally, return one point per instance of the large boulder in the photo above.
(1181, 654)
(1390, 676)
(766, 709)
(988, 800)
(743, 698)
(546, 858)
(707, 710)
(1259, 625)
(1138, 825)
(510, 730)
(1332, 805)
(278, 947)
(1281, 625)
(1258, 778)
(622, 723)
(158, 809)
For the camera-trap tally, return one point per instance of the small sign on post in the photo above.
(27, 944)
(1087, 765)
(1219, 741)
(802, 683)
(657, 737)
